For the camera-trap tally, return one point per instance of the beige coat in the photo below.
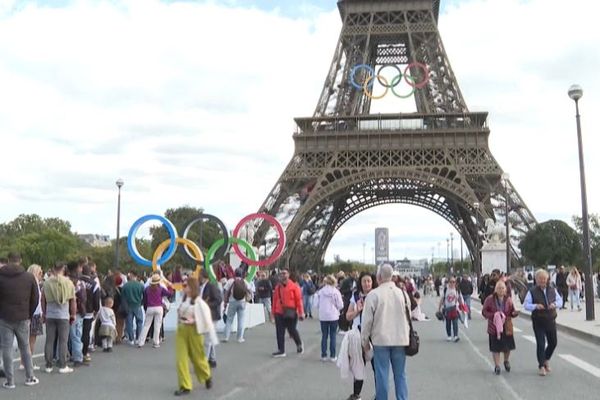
(384, 317)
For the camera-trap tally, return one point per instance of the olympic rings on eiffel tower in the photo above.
(370, 75)
(166, 250)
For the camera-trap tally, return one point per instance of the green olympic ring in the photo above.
(217, 245)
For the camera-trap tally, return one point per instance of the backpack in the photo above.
(238, 289)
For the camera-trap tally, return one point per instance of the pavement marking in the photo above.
(530, 338)
(517, 329)
(587, 367)
(231, 393)
(33, 356)
(502, 380)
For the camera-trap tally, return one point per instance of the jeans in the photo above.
(153, 314)
(236, 307)
(210, 348)
(138, 314)
(452, 324)
(328, 330)
(307, 302)
(544, 330)
(383, 356)
(281, 324)
(574, 298)
(467, 300)
(57, 329)
(76, 345)
(85, 335)
(8, 331)
(267, 306)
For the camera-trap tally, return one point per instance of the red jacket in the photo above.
(291, 297)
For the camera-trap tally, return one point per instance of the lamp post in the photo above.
(461, 223)
(575, 93)
(119, 184)
(451, 252)
(505, 178)
(477, 252)
(448, 253)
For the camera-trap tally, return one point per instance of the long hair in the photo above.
(194, 286)
(359, 283)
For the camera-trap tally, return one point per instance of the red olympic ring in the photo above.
(425, 73)
(280, 242)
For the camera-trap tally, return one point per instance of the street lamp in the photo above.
(575, 93)
(448, 253)
(461, 223)
(505, 178)
(477, 253)
(451, 252)
(119, 184)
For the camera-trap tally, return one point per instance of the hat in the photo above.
(155, 279)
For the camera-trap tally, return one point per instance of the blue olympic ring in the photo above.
(132, 247)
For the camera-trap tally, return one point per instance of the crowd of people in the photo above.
(78, 310)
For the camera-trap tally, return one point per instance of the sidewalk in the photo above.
(573, 322)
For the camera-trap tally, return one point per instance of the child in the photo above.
(108, 323)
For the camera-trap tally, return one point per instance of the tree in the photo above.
(40, 241)
(594, 236)
(552, 243)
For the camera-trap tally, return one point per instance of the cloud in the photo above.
(193, 103)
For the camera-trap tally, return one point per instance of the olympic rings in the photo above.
(132, 247)
(219, 244)
(280, 243)
(367, 84)
(166, 250)
(222, 250)
(187, 244)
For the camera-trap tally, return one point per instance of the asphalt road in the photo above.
(458, 371)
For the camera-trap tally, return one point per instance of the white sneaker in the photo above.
(36, 367)
(7, 385)
(333, 359)
(449, 338)
(324, 359)
(22, 367)
(48, 370)
(32, 381)
(65, 370)
(456, 338)
(242, 340)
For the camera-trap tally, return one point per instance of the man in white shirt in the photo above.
(387, 332)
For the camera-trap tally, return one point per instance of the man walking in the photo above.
(133, 294)
(466, 290)
(385, 326)
(19, 297)
(561, 285)
(213, 297)
(287, 309)
(542, 301)
(264, 291)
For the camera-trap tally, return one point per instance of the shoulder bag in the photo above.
(288, 312)
(413, 337)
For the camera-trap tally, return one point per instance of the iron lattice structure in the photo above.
(347, 160)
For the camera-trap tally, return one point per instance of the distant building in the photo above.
(408, 267)
(96, 240)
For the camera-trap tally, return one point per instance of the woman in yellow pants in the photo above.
(189, 343)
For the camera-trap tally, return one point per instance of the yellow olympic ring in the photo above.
(198, 257)
(366, 86)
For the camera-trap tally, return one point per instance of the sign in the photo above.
(382, 245)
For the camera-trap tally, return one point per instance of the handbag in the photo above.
(413, 337)
(288, 312)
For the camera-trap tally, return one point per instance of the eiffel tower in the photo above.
(347, 159)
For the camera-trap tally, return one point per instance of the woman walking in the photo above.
(366, 283)
(153, 303)
(36, 327)
(449, 304)
(194, 320)
(575, 284)
(330, 304)
(499, 310)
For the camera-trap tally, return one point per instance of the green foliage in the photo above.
(40, 241)
(552, 243)
(347, 266)
(594, 236)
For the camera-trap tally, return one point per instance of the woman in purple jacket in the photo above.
(153, 303)
(330, 304)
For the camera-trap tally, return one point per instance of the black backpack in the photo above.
(238, 289)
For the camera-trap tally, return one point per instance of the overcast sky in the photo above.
(193, 103)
